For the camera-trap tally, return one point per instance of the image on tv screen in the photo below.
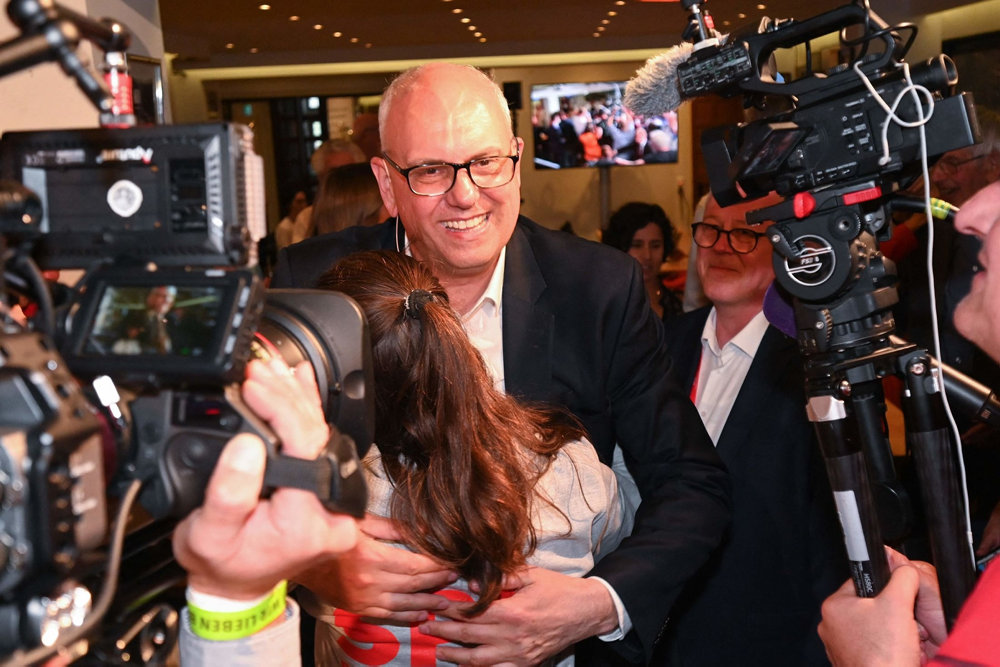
(586, 125)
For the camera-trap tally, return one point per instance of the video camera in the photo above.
(162, 324)
(840, 145)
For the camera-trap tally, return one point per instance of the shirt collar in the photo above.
(747, 340)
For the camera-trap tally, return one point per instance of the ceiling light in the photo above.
(338, 34)
(601, 28)
(741, 15)
(727, 22)
(466, 19)
(472, 28)
(254, 50)
(230, 45)
(318, 26)
(368, 45)
(354, 40)
(620, 3)
(605, 21)
(477, 34)
(762, 6)
(597, 34)
(293, 18)
(612, 13)
(263, 8)
(482, 39)
(457, 10)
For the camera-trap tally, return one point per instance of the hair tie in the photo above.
(414, 302)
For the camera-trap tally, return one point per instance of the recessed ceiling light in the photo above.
(597, 34)
(472, 28)
(477, 34)
(620, 3)
(457, 10)
(354, 40)
(762, 6)
(338, 34)
(254, 50)
(482, 39)
(741, 15)
(727, 22)
(230, 45)
(605, 21)
(601, 28)
(612, 13)
(465, 19)
(368, 45)
(293, 18)
(318, 26)
(263, 8)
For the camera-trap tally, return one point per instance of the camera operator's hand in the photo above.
(379, 580)
(239, 546)
(902, 625)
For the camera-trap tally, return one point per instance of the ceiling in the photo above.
(210, 33)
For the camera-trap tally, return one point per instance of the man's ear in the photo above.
(383, 175)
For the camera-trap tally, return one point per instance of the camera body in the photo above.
(159, 330)
(838, 145)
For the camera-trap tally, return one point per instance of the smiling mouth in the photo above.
(465, 225)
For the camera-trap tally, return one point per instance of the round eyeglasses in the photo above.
(741, 239)
(432, 179)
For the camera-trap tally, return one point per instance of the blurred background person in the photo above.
(644, 232)
(366, 135)
(283, 231)
(331, 153)
(347, 196)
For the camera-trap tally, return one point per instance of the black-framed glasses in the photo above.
(949, 165)
(432, 179)
(741, 239)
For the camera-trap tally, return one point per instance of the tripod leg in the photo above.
(840, 444)
(935, 455)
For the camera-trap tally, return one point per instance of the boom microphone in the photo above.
(655, 88)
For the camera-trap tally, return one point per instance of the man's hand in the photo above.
(902, 625)
(239, 546)
(379, 580)
(548, 612)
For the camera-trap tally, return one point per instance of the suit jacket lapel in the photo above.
(527, 322)
(768, 366)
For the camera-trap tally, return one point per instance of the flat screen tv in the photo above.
(586, 125)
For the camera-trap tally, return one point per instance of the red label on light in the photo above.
(867, 194)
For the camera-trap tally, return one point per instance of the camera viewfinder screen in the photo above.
(161, 320)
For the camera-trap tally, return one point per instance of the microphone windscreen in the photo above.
(779, 312)
(655, 88)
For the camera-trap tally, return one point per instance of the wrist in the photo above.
(224, 619)
(604, 614)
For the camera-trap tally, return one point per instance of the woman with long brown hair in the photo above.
(471, 477)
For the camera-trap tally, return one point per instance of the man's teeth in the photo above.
(464, 224)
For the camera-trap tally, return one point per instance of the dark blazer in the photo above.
(579, 332)
(757, 602)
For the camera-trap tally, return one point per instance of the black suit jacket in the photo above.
(579, 332)
(757, 601)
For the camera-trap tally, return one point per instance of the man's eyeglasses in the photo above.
(741, 239)
(436, 178)
(949, 165)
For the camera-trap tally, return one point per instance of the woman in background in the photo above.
(644, 231)
(347, 196)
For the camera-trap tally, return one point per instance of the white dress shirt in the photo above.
(722, 371)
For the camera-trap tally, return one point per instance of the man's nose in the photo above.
(464, 192)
